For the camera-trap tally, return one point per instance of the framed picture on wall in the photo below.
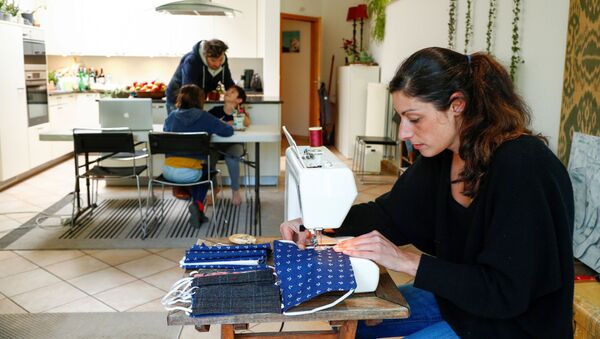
(290, 42)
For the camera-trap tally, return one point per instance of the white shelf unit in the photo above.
(352, 104)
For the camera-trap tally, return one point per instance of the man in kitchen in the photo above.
(205, 66)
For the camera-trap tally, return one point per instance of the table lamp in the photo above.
(352, 17)
(362, 14)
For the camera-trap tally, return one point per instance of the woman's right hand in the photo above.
(290, 230)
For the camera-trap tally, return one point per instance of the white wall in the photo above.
(415, 24)
(295, 80)
(333, 28)
(270, 10)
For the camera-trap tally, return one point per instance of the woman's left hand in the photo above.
(374, 246)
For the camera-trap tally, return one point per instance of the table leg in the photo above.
(227, 331)
(257, 216)
(348, 330)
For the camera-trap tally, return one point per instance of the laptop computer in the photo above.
(135, 114)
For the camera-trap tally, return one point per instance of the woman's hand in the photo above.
(290, 230)
(376, 247)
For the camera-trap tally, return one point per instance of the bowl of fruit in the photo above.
(154, 89)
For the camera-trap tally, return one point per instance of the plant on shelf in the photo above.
(351, 53)
(12, 9)
(376, 10)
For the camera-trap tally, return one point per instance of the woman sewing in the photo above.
(488, 203)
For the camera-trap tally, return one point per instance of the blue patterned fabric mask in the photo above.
(305, 274)
(236, 257)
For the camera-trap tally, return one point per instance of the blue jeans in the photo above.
(232, 154)
(184, 176)
(425, 320)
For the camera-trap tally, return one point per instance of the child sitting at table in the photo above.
(234, 97)
(189, 117)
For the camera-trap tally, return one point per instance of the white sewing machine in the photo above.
(321, 192)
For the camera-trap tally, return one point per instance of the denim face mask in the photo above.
(226, 292)
(305, 274)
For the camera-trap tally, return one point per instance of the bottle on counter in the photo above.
(100, 78)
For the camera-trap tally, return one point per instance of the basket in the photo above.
(151, 95)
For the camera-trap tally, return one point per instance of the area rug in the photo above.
(124, 325)
(116, 223)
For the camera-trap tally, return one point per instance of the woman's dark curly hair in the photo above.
(493, 114)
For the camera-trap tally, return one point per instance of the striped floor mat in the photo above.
(116, 223)
(114, 219)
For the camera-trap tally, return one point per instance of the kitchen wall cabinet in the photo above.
(134, 28)
(13, 103)
(352, 104)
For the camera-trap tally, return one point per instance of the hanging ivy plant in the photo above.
(376, 10)
(516, 56)
(468, 26)
(489, 34)
(452, 23)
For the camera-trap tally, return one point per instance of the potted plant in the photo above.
(52, 80)
(12, 10)
(352, 54)
(3, 15)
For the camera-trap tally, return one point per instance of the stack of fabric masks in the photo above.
(233, 279)
(220, 293)
(235, 257)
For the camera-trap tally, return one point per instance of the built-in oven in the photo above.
(36, 82)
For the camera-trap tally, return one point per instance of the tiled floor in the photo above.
(96, 280)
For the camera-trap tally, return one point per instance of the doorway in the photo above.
(300, 60)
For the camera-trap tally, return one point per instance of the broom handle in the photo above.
(330, 74)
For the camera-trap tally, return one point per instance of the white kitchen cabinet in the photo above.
(134, 28)
(40, 152)
(159, 112)
(240, 32)
(33, 33)
(352, 104)
(13, 103)
(87, 112)
(61, 110)
(62, 25)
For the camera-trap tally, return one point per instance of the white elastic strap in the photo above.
(175, 291)
(320, 308)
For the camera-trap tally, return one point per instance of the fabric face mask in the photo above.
(305, 274)
(236, 257)
(225, 293)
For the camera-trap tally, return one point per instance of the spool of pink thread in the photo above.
(315, 136)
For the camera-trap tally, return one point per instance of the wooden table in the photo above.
(385, 303)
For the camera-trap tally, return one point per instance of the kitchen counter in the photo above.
(59, 92)
(250, 99)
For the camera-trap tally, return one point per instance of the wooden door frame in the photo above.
(315, 62)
